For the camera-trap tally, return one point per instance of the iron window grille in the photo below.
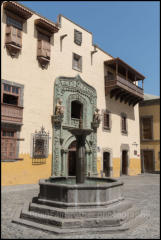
(40, 144)
(124, 123)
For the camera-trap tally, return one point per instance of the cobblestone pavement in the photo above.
(143, 190)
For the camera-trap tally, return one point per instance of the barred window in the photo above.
(123, 123)
(40, 144)
(77, 37)
(106, 119)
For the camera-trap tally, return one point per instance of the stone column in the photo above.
(80, 162)
(63, 162)
(88, 162)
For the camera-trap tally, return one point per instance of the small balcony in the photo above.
(120, 82)
(11, 113)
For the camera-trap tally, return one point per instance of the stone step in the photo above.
(45, 218)
(80, 213)
(73, 205)
(81, 231)
(71, 223)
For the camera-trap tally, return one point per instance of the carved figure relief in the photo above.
(59, 109)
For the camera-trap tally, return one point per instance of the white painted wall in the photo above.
(39, 84)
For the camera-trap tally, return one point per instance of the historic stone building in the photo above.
(53, 78)
(149, 110)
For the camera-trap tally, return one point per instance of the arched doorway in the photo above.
(72, 159)
(106, 164)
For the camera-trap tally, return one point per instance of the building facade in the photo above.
(149, 111)
(49, 66)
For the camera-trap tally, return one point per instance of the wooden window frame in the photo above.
(77, 37)
(43, 47)
(10, 93)
(15, 137)
(80, 62)
(124, 131)
(141, 128)
(13, 44)
(106, 128)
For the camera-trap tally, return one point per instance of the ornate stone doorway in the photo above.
(72, 159)
(74, 107)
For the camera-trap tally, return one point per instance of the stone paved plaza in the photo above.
(142, 190)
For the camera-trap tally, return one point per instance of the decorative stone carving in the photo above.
(59, 110)
(96, 119)
(66, 90)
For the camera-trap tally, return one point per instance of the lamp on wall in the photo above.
(135, 148)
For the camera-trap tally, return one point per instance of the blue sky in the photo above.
(129, 30)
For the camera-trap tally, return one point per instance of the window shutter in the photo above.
(8, 29)
(19, 37)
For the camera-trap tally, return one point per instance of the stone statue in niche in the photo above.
(59, 109)
(96, 116)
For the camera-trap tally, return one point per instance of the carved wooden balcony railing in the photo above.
(11, 113)
(120, 79)
(123, 89)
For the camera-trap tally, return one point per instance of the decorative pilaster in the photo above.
(57, 121)
(95, 124)
(64, 162)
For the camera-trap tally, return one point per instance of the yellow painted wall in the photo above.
(134, 167)
(116, 167)
(152, 110)
(24, 172)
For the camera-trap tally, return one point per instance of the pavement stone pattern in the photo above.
(142, 190)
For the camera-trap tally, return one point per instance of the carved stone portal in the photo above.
(66, 91)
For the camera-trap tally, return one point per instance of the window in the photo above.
(77, 62)
(43, 46)
(13, 22)
(77, 37)
(76, 110)
(147, 128)
(14, 32)
(11, 94)
(40, 144)
(8, 144)
(123, 123)
(106, 120)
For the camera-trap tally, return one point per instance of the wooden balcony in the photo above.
(120, 82)
(11, 113)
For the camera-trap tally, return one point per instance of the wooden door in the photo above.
(106, 164)
(72, 163)
(148, 160)
(124, 163)
(8, 144)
